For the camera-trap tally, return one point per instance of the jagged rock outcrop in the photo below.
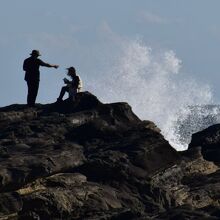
(89, 160)
(209, 141)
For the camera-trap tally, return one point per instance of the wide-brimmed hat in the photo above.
(71, 69)
(35, 52)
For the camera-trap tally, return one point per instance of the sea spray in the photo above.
(152, 84)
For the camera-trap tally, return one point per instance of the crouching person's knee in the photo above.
(64, 89)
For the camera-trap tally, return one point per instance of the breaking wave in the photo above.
(152, 83)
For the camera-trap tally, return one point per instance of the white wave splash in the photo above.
(152, 83)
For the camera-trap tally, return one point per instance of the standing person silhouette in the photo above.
(32, 75)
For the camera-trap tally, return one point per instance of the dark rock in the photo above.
(185, 212)
(84, 101)
(209, 141)
(89, 160)
(10, 203)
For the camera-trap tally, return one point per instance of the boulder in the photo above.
(209, 141)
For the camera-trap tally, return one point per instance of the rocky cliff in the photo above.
(89, 160)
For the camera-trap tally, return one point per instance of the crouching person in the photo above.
(72, 86)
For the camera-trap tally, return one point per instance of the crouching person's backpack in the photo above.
(80, 86)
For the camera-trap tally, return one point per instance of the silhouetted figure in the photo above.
(32, 76)
(72, 86)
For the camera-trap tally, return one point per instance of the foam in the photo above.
(152, 83)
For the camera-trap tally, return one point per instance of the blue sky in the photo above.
(88, 34)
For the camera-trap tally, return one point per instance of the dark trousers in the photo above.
(33, 87)
(63, 91)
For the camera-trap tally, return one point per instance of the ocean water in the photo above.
(154, 85)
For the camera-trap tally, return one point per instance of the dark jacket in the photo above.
(75, 82)
(31, 67)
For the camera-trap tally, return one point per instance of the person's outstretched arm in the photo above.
(48, 65)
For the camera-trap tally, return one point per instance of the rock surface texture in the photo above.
(88, 160)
